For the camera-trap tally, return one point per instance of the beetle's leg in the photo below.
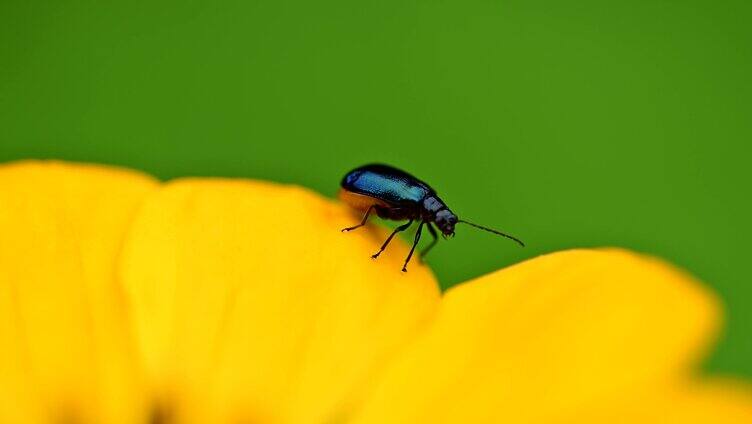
(415, 243)
(396, 230)
(431, 230)
(363, 222)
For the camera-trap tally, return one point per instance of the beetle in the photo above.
(396, 195)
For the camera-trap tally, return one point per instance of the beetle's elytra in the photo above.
(396, 195)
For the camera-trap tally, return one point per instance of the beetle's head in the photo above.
(445, 220)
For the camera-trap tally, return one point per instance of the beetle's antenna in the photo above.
(493, 231)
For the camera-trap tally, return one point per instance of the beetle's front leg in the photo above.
(431, 230)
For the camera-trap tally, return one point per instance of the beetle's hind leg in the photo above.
(363, 222)
(391, 236)
(415, 243)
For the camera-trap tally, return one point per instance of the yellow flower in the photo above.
(123, 300)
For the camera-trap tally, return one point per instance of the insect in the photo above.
(396, 195)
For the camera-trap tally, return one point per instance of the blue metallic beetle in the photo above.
(397, 195)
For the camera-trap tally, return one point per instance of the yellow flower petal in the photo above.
(251, 306)
(548, 337)
(717, 402)
(64, 350)
(242, 302)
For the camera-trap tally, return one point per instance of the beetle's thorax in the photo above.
(431, 205)
(435, 210)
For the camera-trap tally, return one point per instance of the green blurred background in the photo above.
(569, 124)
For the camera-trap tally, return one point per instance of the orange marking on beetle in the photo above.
(359, 202)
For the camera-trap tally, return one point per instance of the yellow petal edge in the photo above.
(251, 306)
(550, 339)
(65, 353)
